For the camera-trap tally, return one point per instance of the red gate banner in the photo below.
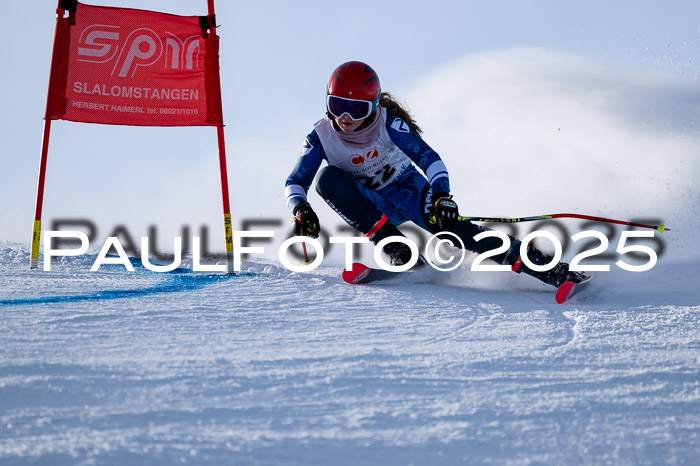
(122, 66)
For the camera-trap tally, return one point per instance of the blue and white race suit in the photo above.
(397, 171)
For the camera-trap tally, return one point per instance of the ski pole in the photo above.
(659, 228)
(306, 254)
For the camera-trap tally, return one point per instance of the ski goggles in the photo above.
(356, 109)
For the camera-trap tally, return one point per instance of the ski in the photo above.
(576, 283)
(361, 273)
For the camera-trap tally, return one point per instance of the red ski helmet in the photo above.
(354, 80)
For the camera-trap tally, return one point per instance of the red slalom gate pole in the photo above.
(222, 156)
(36, 231)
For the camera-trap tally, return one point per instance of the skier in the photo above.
(369, 141)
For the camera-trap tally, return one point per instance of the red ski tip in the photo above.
(565, 291)
(358, 273)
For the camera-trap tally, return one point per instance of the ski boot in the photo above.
(577, 277)
(554, 276)
(399, 253)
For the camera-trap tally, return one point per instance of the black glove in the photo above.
(306, 221)
(444, 210)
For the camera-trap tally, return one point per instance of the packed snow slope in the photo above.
(277, 367)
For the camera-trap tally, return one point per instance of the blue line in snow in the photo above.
(179, 282)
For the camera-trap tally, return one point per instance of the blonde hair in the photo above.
(392, 105)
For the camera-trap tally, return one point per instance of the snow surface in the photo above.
(277, 367)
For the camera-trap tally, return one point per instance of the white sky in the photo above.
(276, 57)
